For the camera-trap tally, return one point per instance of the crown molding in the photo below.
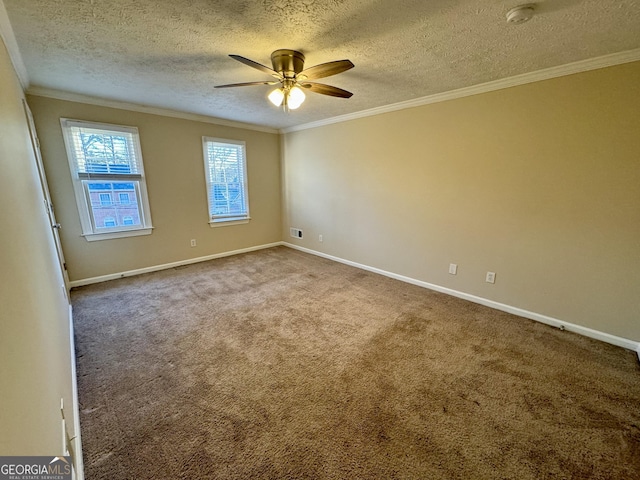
(9, 39)
(537, 76)
(134, 107)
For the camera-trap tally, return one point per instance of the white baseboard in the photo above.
(587, 332)
(77, 441)
(155, 268)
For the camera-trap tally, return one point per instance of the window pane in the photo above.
(226, 179)
(108, 179)
(107, 208)
(105, 199)
(98, 151)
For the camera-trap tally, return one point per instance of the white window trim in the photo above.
(235, 219)
(229, 222)
(86, 220)
(120, 234)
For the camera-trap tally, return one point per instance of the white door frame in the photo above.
(55, 226)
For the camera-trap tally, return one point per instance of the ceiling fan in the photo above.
(288, 71)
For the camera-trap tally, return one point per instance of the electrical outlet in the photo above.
(453, 268)
(193, 242)
(491, 277)
(320, 238)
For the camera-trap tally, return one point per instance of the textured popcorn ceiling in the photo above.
(170, 53)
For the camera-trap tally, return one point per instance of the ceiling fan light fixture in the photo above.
(276, 97)
(288, 70)
(295, 98)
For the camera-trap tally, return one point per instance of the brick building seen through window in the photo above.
(114, 204)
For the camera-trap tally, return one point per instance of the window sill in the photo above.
(93, 237)
(228, 222)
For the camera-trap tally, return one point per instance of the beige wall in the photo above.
(539, 183)
(174, 167)
(35, 353)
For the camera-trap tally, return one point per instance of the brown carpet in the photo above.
(281, 365)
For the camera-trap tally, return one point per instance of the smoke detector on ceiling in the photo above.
(520, 14)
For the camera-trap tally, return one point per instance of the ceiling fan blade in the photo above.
(326, 90)
(253, 64)
(326, 69)
(245, 84)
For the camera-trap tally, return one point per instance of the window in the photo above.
(108, 179)
(105, 199)
(226, 176)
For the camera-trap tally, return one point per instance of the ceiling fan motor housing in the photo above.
(287, 62)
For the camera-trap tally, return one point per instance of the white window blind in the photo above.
(98, 151)
(226, 176)
(108, 176)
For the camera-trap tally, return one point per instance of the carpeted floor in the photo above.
(281, 365)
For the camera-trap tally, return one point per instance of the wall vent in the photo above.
(295, 232)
